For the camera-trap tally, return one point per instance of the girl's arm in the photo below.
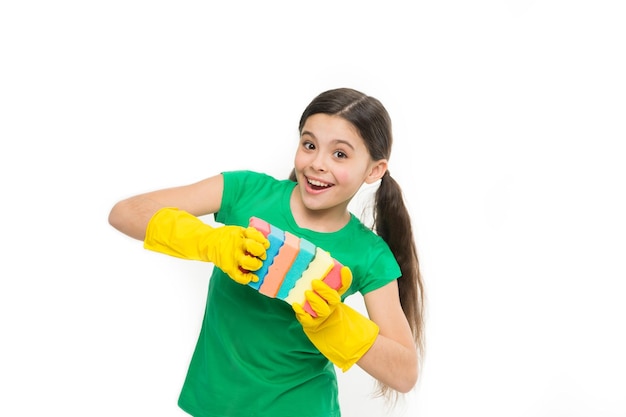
(131, 216)
(392, 359)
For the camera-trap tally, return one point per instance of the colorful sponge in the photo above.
(291, 265)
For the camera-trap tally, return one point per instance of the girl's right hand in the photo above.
(234, 249)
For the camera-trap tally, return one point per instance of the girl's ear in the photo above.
(377, 170)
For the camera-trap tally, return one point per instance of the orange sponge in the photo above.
(282, 262)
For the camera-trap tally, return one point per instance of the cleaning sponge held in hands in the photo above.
(292, 264)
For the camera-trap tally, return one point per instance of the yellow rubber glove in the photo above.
(235, 250)
(340, 333)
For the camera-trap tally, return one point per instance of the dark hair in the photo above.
(391, 217)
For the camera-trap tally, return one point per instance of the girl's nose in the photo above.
(319, 163)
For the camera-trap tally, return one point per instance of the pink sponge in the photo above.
(292, 264)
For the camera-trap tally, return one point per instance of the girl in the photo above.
(260, 356)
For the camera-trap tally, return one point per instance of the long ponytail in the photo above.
(392, 222)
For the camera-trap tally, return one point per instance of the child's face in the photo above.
(332, 162)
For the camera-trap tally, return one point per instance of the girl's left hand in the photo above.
(340, 333)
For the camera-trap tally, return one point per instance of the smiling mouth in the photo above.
(318, 185)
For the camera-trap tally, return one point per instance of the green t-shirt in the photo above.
(252, 357)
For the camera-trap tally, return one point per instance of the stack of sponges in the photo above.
(291, 265)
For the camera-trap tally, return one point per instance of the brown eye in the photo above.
(340, 155)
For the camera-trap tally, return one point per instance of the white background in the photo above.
(509, 121)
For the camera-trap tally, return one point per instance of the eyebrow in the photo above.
(334, 141)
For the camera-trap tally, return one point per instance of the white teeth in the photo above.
(318, 183)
